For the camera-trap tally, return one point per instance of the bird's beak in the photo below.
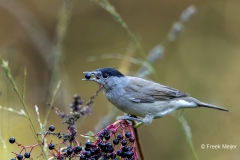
(88, 74)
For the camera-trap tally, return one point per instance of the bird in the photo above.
(143, 100)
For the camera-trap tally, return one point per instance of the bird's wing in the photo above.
(145, 91)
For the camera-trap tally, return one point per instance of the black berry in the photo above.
(120, 136)
(51, 128)
(88, 154)
(124, 148)
(110, 150)
(109, 145)
(19, 157)
(116, 141)
(124, 142)
(82, 157)
(107, 136)
(12, 140)
(88, 144)
(124, 155)
(69, 151)
(88, 75)
(101, 144)
(70, 137)
(107, 131)
(129, 148)
(101, 135)
(51, 146)
(77, 149)
(128, 134)
(129, 154)
(27, 155)
(92, 151)
(119, 152)
(131, 139)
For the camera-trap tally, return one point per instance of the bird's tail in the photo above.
(202, 104)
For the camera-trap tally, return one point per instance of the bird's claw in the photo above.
(125, 117)
(146, 120)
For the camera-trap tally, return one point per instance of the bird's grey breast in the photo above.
(119, 96)
(116, 91)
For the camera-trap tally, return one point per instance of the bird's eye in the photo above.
(105, 76)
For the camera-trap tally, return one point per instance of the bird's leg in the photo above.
(126, 117)
(146, 120)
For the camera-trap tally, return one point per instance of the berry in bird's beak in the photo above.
(88, 75)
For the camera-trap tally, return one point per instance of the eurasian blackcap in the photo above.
(140, 97)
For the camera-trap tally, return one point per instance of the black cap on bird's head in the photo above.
(108, 71)
(102, 74)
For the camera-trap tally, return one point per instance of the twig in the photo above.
(87, 107)
(42, 129)
(50, 106)
(140, 150)
(24, 84)
(20, 113)
(47, 116)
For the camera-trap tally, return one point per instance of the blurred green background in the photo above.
(203, 61)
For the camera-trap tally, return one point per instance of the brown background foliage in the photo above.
(204, 62)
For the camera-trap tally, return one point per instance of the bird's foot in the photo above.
(126, 117)
(146, 120)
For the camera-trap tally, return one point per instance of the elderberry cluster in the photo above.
(114, 142)
(67, 148)
(19, 156)
(125, 142)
